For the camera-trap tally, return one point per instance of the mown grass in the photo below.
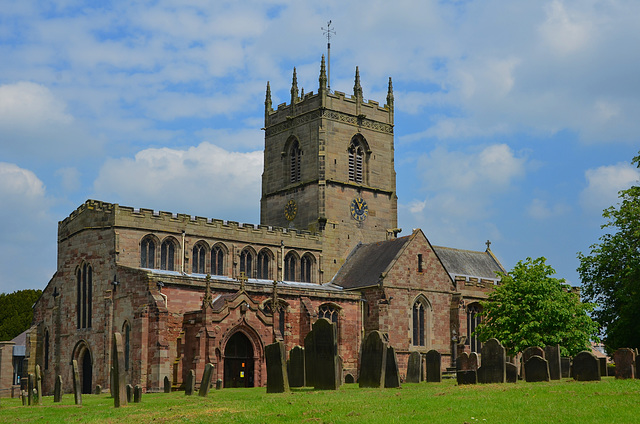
(566, 401)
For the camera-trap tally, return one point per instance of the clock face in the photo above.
(359, 209)
(290, 210)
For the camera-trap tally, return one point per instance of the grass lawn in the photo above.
(565, 401)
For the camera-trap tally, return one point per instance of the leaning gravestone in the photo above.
(586, 367)
(167, 384)
(392, 374)
(38, 387)
(309, 360)
(57, 389)
(117, 368)
(190, 383)
(511, 372)
(77, 391)
(413, 367)
(552, 355)
(325, 342)
(433, 360)
(30, 381)
(277, 379)
(493, 368)
(205, 384)
(137, 394)
(373, 362)
(129, 389)
(536, 369)
(625, 361)
(296, 367)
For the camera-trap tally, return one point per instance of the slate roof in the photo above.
(367, 262)
(469, 263)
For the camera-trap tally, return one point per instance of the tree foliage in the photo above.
(531, 308)
(16, 312)
(611, 272)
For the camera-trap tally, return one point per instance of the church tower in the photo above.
(329, 168)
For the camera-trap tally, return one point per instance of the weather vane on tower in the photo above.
(328, 31)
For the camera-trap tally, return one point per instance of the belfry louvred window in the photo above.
(356, 162)
(295, 156)
(84, 294)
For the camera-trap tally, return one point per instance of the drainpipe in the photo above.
(281, 260)
(183, 253)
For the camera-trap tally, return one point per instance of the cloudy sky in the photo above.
(516, 121)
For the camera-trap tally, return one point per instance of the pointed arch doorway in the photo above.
(238, 361)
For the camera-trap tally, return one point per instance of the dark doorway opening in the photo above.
(238, 362)
(87, 371)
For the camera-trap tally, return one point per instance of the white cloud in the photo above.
(540, 209)
(604, 183)
(564, 30)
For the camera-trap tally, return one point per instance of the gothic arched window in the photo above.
(295, 159)
(217, 260)
(246, 263)
(420, 327)
(329, 312)
(306, 267)
(147, 253)
(473, 319)
(199, 254)
(167, 255)
(84, 289)
(356, 161)
(264, 258)
(290, 262)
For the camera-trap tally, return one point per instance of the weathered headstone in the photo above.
(38, 387)
(392, 374)
(532, 351)
(586, 367)
(473, 361)
(373, 362)
(433, 359)
(511, 372)
(277, 379)
(30, 382)
(98, 389)
(117, 368)
(536, 369)
(565, 366)
(137, 394)
(552, 355)
(466, 377)
(129, 389)
(309, 360)
(219, 384)
(413, 367)
(325, 342)
(493, 368)
(603, 367)
(462, 362)
(57, 389)
(205, 383)
(77, 390)
(296, 367)
(167, 384)
(25, 398)
(190, 383)
(625, 360)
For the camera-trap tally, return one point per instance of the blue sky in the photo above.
(515, 120)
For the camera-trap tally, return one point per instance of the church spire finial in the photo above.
(267, 103)
(323, 75)
(390, 94)
(294, 87)
(357, 88)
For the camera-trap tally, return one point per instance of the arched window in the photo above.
(295, 159)
(147, 253)
(167, 255)
(46, 349)
(329, 312)
(473, 319)
(217, 260)
(356, 161)
(246, 263)
(84, 288)
(306, 267)
(420, 311)
(264, 258)
(290, 262)
(126, 335)
(199, 254)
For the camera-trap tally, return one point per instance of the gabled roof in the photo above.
(469, 263)
(367, 262)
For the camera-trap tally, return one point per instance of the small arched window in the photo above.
(473, 319)
(329, 312)
(246, 263)
(295, 160)
(84, 294)
(199, 254)
(147, 253)
(167, 255)
(356, 161)
(420, 311)
(306, 267)
(217, 260)
(264, 258)
(290, 262)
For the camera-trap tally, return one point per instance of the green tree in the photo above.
(531, 308)
(611, 272)
(16, 312)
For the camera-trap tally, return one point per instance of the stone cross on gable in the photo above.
(243, 280)
(488, 243)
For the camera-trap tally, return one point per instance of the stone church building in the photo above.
(185, 291)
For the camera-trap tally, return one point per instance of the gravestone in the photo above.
(532, 351)
(565, 366)
(296, 367)
(25, 398)
(118, 389)
(30, 381)
(98, 389)
(277, 379)
(473, 361)
(129, 389)
(38, 387)
(219, 384)
(413, 367)
(466, 377)
(392, 374)
(536, 369)
(552, 355)
(586, 367)
(625, 360)
(77, 390)
(493, 368)
(373, 361)
(349, 379)
(206, 380)
(603, 367)
(326, 355)
(462, 362)
(167, 384)
(511, 372)
(309, 361)
(433, 361)
(57, 389)
(190, 383)
(137, 394)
